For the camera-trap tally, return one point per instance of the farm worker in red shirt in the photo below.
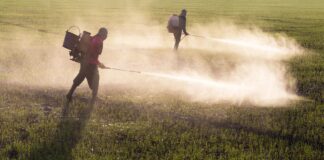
(89, 65)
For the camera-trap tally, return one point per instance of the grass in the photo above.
(165, 127)
(35, 123)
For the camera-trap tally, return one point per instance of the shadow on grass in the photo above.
(68, 134)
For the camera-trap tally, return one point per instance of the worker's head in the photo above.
(103, 33)
(183, 12)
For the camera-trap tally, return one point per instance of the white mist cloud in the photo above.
(233, 64)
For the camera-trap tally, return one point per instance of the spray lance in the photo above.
(123, 70)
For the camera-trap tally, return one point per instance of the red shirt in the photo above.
(95, 49)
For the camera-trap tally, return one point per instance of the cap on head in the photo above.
(103, 32)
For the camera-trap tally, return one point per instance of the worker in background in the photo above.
(89, 65)
(177, 25)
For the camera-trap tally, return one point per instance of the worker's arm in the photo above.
(99, 46)
(184, 26)
(100, 65)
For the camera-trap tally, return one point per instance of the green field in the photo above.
(132, 123)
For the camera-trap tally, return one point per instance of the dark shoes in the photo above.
(69, 99)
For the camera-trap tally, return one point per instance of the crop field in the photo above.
(247, 83)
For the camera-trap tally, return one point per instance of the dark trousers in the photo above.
(177, 38)
(91, 73)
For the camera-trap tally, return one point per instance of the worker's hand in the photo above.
(101, 65)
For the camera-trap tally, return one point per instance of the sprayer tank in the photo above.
(85, 41)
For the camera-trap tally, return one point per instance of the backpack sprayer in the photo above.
(77, 44)
(173, 23)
